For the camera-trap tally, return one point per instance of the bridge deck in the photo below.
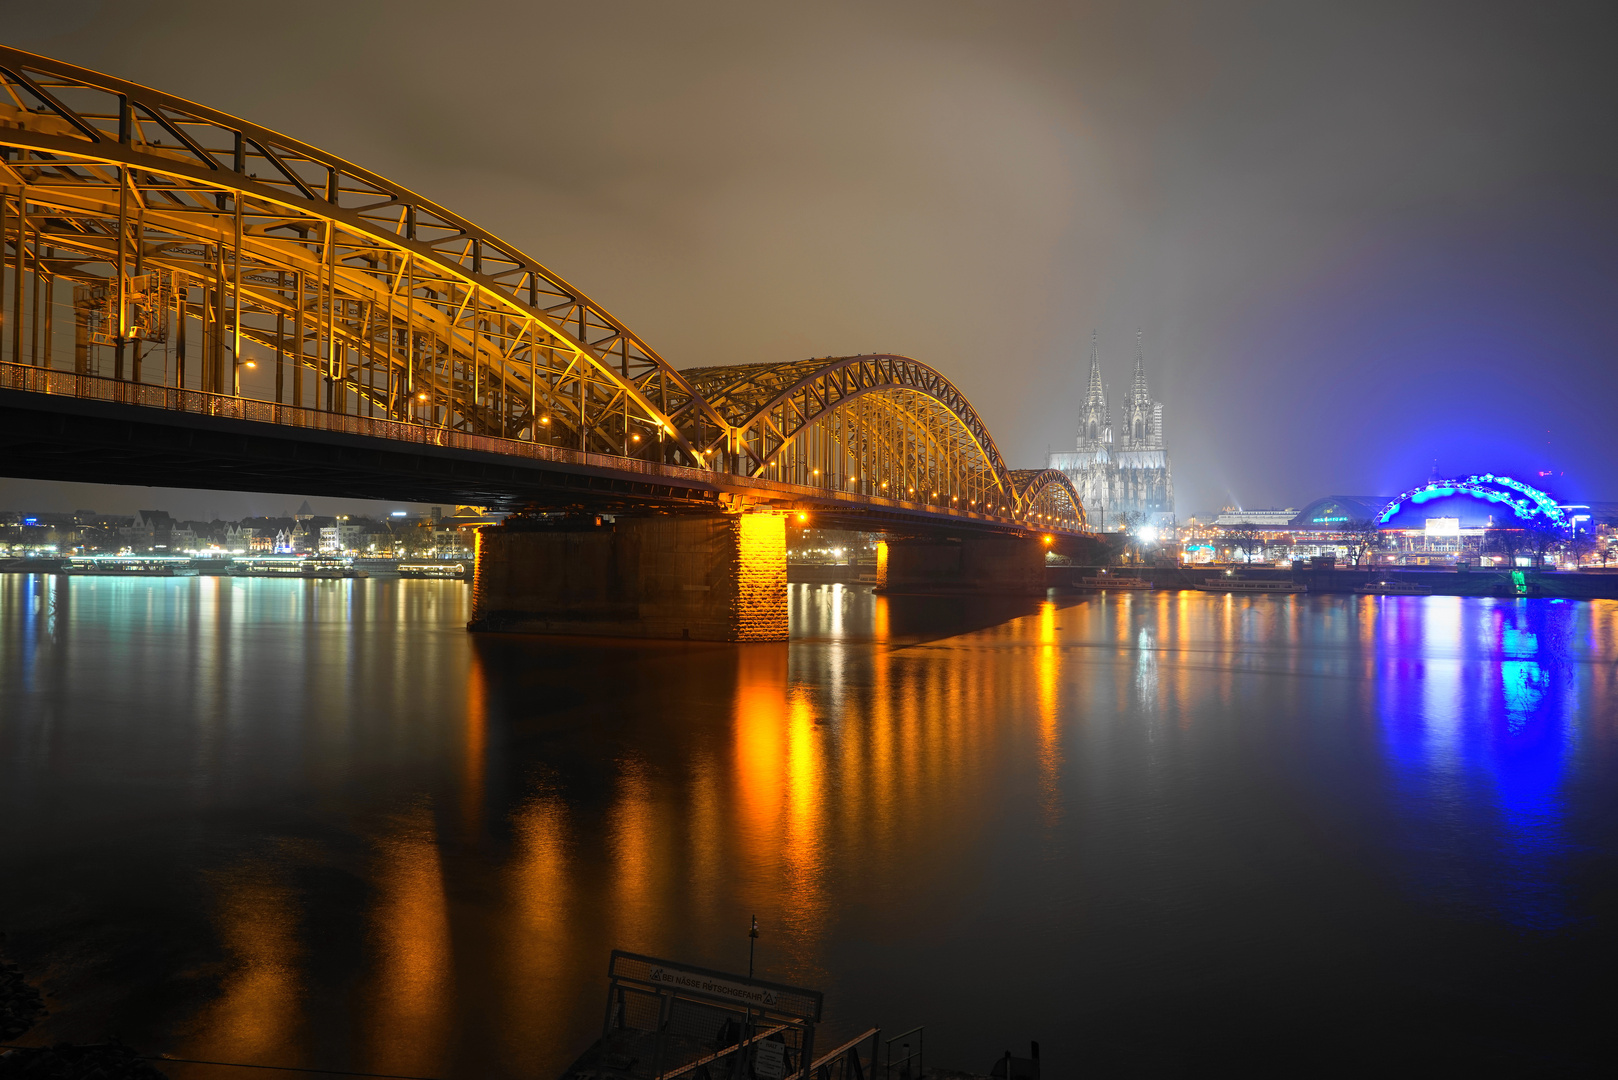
(58, 425)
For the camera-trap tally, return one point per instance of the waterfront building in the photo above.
(1130, 475)
(1233, 517)
(150, 529)
(341, 536)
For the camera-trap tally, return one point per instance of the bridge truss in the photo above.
(157, 243)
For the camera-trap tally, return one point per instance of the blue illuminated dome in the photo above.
(1530, 505)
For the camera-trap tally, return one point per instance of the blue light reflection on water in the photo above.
(390, 831)
(1477, 704)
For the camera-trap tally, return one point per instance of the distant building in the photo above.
(1234, 517)
(340, 536)
(1131, 476)
(149, 529)
(1333, 513)
(1337, 512)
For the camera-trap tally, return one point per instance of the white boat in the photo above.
(1394, 588)
(1110, 582)
(436, 571)
(1250, 585)
(130, 566)
(297, 566)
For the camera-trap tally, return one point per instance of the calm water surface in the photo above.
(317, 823)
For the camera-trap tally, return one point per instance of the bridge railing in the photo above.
(224, 406)
(55, 382)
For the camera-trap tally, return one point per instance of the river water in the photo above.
(319, 824)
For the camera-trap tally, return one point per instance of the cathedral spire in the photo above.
(1097, 395)
(1139, 391)
(1095, 422)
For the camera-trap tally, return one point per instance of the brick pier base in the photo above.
(704, 577)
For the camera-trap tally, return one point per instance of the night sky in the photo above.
(1358, 238)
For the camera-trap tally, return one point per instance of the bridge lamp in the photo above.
(1049, 539)
(250, 363)
(421, 397)
(803, 517)
(544, 420)
(635, 438)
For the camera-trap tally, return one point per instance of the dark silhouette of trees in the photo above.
(1364, 536)
(1542, 538)
(1246, 539)
(1507, 542)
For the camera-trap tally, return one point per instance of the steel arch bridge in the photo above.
(1528, 504)
(202, 264)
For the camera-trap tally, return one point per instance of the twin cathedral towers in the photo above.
(1132, 475)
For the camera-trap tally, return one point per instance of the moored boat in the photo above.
(129, 566)
(297, 566)
(1111, 582)
(1250, 585)
(435, 571)
(1394, 588)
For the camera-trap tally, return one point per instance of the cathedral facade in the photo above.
(1131, 475)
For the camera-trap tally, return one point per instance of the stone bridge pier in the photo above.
(696, 576)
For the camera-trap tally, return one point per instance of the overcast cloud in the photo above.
(1355, 237)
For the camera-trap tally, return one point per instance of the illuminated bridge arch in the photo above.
(1530, 505)
(1047, 497)
(366, 298)
(208, 265)
(880, 425)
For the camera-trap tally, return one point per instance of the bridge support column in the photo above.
(995, 565)
(703, 577)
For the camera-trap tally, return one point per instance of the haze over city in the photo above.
(1357, 238)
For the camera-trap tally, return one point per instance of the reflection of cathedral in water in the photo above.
(1132, 476)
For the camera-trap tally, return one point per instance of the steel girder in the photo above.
(400, 307)
(1048, 498)
(208, 254)
(877, 424)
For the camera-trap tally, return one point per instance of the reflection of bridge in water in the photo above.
(191, 300)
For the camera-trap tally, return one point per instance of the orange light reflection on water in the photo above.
(476, 747)
(1048, 670)
(259, 1010)
(538, 935)
(410, 934)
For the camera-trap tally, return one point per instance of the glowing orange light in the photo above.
(1050, 539)
(803, 517)
(251, 363)
(421, 397)
(635, 438)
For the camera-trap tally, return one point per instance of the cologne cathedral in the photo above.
(1131, 475)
